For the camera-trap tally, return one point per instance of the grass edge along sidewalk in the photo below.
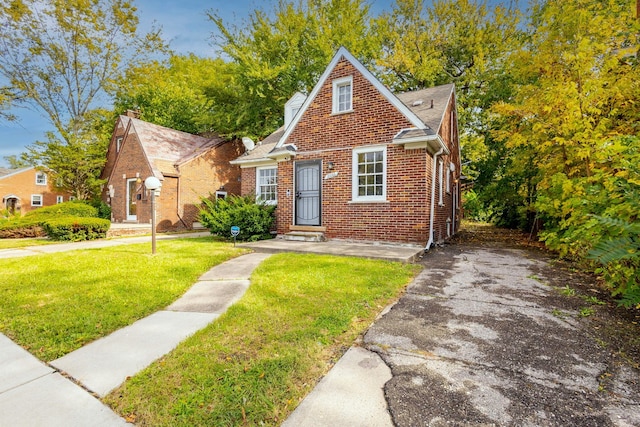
(255, 363)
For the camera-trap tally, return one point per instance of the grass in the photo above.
(22, 243)
(257, 361)
(53, 304)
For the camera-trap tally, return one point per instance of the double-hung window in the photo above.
(36, 200)
(342, 95)
(370, 174)
(267, 185)
(41, 178)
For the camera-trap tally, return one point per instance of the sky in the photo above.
(185, 26)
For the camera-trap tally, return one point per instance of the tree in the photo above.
(16, 162)
(186, 93)
(60, 57)
(75, 164)
(286, 51)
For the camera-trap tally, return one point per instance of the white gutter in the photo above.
(433, 197)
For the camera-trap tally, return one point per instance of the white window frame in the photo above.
(450, 170)
(337, 85)
(259, 185)
(355, 197)
(119, 143)
(59, 199)
(440, 183)
(37, 200)
(221, 194)
(44, 180)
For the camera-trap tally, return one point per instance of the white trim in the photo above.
(59, 199)
(221, 194)
(244, 164)
(127, 201)
(384, 91)
(355, 197)
(119, 140)
(292, 107)
(335, 103)
(38, 174)
(33, 197)
(440, 183)
(258, 185)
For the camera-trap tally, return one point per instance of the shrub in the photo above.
(19, 228)
(74, 208)
(76, 228)
(104, 210)
(254, 219)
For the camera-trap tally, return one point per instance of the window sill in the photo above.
(339, 113)
(360, 202)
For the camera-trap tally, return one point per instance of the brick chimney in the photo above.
(133, 113)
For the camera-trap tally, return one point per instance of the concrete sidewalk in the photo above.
(91, 244)
(36, 394)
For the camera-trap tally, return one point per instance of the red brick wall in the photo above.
(207, 174)
(321, 135)
(23, 185)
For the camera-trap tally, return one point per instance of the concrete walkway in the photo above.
(36, 394)
(91, 244)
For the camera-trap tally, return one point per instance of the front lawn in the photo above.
(23, 243)
(53, 304)
(255, 363)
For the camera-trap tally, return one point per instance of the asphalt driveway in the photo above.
(486, 336)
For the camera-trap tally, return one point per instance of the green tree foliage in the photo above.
(16, 162)
(75, 164)
(570, 124)
(59, 57)
(285, 51)
(186, 93)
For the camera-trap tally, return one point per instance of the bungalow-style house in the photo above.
(25, 189)
(354, 161)
(188, 166)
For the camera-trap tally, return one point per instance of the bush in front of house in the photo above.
(73, 208)
(75, 229)
(46, 221)
(254, 219)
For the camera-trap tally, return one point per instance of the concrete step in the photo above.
(304, 236)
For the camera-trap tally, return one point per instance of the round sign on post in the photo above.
(235, 230)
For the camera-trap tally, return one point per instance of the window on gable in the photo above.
(118, 144)
(41, 178)
(370, 174)
(342, 95)
(36, 200)
(267, 185)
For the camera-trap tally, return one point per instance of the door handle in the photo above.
(298, 194)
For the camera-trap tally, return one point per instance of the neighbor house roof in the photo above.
(165, 148)
(11, 172)
(5, 171)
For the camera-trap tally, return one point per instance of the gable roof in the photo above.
(12, 172)
(429, 104)
(165, 148)
(5, 171)
(261, 151)
(384, 91)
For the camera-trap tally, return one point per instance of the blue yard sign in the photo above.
(235, 230)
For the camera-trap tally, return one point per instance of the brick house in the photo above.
(354, 161)
(188, 167)
(25, 189)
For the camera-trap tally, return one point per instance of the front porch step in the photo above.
(304, 236)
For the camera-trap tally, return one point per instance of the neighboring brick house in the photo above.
(188, 166)
(28, 188)
(354, 161)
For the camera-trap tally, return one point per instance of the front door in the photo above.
(131, 199)
(12, 204)
(308, 192)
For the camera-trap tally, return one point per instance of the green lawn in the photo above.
(54, 304)
(22, 243)
(255, 363)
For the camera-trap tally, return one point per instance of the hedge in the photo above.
(17, 229)
(74, 208)
(76, 228)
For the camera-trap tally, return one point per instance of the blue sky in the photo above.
(185, 25)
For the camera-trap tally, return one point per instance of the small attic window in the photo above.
(118, 144)
(342, 95)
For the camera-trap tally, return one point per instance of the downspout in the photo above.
(433, 196)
